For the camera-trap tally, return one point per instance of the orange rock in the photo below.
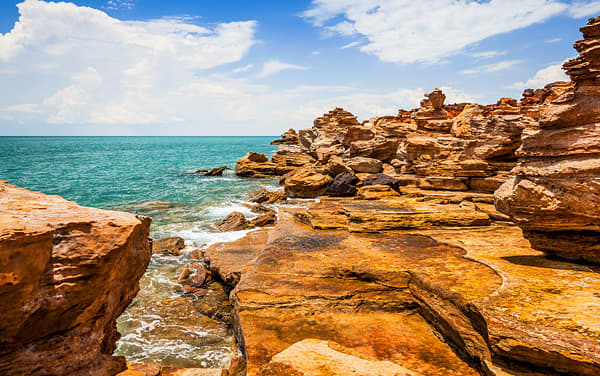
(67, 273)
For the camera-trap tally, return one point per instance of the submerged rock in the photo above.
(216, 171)
(66, 273)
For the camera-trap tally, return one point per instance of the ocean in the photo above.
(151, 176)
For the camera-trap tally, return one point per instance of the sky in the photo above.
(243, 67)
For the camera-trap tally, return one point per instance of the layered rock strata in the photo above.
(554, 194)
(66, 273)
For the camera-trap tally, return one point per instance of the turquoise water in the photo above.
(151, 176)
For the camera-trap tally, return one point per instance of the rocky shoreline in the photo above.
(447, 240)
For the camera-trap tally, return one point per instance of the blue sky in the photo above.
(150, 67)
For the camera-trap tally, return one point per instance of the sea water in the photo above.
(152, 176)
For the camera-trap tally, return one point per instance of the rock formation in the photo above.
(555, 192)
(66, 273)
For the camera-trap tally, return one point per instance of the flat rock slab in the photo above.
(393, 295)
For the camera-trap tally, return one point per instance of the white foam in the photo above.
(223, 211)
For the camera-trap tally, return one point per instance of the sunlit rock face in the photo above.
(66, 273)
(555, 192)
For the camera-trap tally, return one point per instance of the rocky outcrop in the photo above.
(255, 165)
(216, 171)
(289, 137)
(554, 194)
(235, 221)
(433, 300)
(66, 273)
(305, 182)
(264, 196)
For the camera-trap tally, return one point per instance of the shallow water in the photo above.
(151, 176)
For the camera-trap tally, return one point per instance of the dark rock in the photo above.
(343, 184)
(382, 179)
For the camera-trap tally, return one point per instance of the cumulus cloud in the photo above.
(275, 66)
(494, 67)
(98, 69)
(410, 31)
(549, 74)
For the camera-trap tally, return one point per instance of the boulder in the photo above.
(344, 184)
(66, 273)
(255, 165)
(336, 166)
(169, 246)
(305, 182)
(382, 179)
(376, 192)
(364, 165)
(264, 220)
(264, 196)
(233, 222)
(289, 137)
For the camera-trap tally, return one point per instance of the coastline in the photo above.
(451, 239)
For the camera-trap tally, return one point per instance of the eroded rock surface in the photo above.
(66, 273)
(555, 192)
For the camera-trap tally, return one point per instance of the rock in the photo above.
(264, 220)
(216, 171)
(382, 179)
(289, 157)
(66, 273)
(365, 165)
(194, 274)
(235, 221)
(255, 165)
(432, 106)
(196, 254)
(289, 137)
(344, 184)
(264, 196)
(141, 369)
(214, 303)
(305, 182)
(554, 195)
(443, 183)
(337, 117)
(376, 192)
(312, 357)
(259, 209)
(226, 260)
(336, 166)
(404, 295)
(169, 246)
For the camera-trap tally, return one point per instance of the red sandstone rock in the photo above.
(305, 182)
(66, 273)
(555, 195)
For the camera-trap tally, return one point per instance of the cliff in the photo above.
(554, 194)
(66, 273)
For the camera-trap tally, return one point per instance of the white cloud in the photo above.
(316, 53)
(549, 74)
(495, 67)
(98, 69)
(119, 5)
(488, 54)
(581, 9)
(553, 40)
(275, 66)
(23, 107)
(408, 31)
(350, 45)
(245, 68)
